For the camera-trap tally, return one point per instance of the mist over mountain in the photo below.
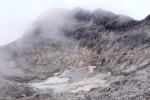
(63, 44)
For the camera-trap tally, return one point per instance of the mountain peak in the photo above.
(148, 17)
(103, 17)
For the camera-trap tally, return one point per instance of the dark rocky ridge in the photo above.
(114, 43)
(148, 17)
(108, 19)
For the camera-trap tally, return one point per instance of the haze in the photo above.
(17, 15)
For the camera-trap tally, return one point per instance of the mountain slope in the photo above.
(79, 38)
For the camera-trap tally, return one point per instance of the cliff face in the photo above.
(80, 38)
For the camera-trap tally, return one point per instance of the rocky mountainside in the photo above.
(85, 55)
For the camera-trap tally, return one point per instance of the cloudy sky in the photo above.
(17, 15)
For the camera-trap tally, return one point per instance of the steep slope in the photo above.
(115, 44)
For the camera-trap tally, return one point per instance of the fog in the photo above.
(23, 61)
(17, 15)
(46, 26)
(49, 26)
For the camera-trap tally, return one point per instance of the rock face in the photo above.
(51, 60)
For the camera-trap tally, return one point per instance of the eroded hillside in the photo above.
(115, 44)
